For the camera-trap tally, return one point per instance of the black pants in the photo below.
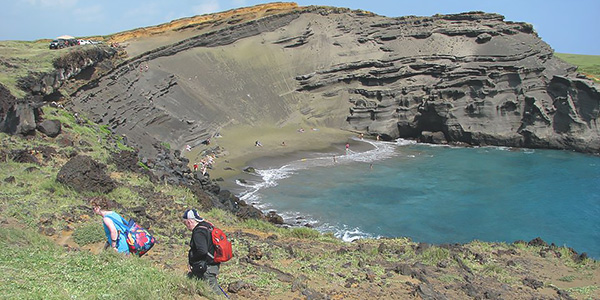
(208, 273)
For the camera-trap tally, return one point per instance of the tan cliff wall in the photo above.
(239, 15)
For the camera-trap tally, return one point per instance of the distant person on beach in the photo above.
(114, 227)
(347, 148)
(334, 159)
(283, 143)
(201, 265)
(257, 144)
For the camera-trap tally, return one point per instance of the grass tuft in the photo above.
(88, 233)
(587, 64)
(433, 255)
(35, 268)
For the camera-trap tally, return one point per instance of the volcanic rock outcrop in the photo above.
(469, 78)
(20, 116)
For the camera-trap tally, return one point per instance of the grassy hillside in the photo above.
(587, 64)
(34, 267)
(51, 245)
(19, 58)
(50, 242)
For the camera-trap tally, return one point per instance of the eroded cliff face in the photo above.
(470, 78)
(20, 116)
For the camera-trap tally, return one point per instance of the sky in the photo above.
(567, 26)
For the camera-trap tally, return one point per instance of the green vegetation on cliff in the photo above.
(586, 64)
(34, 267)
(21, 58)
(51, 244)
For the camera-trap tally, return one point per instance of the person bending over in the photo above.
(114, 228)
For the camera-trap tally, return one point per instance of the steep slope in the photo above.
(470, 78)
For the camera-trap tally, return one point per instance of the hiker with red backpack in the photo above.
(208, 248)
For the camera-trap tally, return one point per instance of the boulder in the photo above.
(237, 286)
(255, 253)
(537, 242)
(437, 137)
(248, 212)
(483, 38)
(228, 201)
(274, 218)
(24, 156)
(125, 160)
(84, 174)
(532, 283)
(51, 128)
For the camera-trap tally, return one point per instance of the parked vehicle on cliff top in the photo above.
(58, 44)
(72, 42)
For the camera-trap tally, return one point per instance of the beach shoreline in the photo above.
(237, 148)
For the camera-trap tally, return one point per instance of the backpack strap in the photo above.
(120, 229)
(212, 256)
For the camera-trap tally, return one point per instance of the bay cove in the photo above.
(440, 195)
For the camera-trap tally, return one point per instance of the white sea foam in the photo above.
(269, 178)
(403, 142)
(344, 232)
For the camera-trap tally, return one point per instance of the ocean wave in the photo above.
(320, 198)
(344, 232)
(403, 142)
(268, 178)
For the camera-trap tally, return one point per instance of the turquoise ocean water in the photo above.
(440, 194)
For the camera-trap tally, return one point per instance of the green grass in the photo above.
(88, 233)
(24, 57)
(568, 278)
(305, 233)
(432, 256)
(450, 278)
(35, 268)
(587, 64)
(584, 290)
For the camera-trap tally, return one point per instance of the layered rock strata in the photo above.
(469, 78)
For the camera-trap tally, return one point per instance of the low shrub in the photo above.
(304, 233)
(88, 233)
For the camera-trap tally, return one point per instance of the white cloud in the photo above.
(90, 14)
(206, 7)
(51, 3)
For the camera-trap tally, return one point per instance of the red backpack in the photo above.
(223, 250)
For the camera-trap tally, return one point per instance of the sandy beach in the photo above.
(278, 145)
